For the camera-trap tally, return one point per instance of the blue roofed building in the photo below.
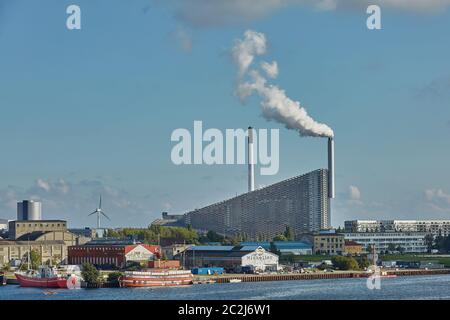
(232, 258)
(284, 247)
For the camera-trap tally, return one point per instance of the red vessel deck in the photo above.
(156, 278)
(27, 281)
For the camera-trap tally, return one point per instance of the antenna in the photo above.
(99, 212)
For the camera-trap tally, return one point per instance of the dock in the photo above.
(312, 276)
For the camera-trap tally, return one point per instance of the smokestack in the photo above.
(331, 191)
(251, 166)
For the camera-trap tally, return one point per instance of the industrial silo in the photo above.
(29, 210)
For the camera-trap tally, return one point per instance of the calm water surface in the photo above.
(416, 287)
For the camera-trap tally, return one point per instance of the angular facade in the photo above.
(301, 203)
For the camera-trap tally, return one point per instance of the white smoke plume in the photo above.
(276, 105)
(271, 69)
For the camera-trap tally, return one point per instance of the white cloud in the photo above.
(271, 69)
(355, 194)
(43, 184)
(438, 200)
(207, 13)
(437, 194)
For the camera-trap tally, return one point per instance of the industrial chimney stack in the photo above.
(331, 191)
(251, 165)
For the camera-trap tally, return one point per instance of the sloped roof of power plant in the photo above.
(32, 236)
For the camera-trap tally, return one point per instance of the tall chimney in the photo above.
(251, 165)
(331, 191)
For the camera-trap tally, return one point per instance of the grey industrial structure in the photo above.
(29, 210)
(302, 203)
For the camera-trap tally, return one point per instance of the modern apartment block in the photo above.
(408, 241)
(434, 227)
(302, 203)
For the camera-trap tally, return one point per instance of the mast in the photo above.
(29, 254)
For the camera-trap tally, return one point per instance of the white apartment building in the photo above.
(434, 227)
(409, 241)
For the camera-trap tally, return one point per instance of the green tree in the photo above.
(289, 234)
(6, 267)
(111, 233)
(273, 248)
(400, 249)
(280, 237)
(363, 262)
(391, 247)
(114, 276)
(35, 260)
(90, 274)
(429, 241)
(213, 236)
(345, 263)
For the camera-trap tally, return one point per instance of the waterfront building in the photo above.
(3, 225)
(353, 248)
(19, 228)
(50, 251)
(169, 220)
(327, 242)
(113, 253)
(301, 203)
(229, 257)
(407, 241)
(49, 238)
(164, 264)
(85, 232)
(434, 227)
(172, 250)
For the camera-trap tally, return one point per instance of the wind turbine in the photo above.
(99, 212)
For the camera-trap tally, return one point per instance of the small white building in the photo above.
(260, 259)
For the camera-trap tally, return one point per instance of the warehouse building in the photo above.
(116, 254)
(302, 203)
(229, 257)
(15, 252)
(49, 238)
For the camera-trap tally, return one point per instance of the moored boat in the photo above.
(156, 278)
(44, 277)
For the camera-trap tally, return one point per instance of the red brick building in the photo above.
(115, 254)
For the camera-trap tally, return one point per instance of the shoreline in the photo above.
(230, 278)
(313, 276)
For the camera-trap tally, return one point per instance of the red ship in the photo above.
(156, 278)
(45, 277)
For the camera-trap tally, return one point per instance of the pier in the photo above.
(312, 276)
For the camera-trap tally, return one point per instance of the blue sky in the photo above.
(91, 111)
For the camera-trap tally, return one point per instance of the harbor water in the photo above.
(412, 287)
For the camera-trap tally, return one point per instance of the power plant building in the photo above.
(301, 203)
